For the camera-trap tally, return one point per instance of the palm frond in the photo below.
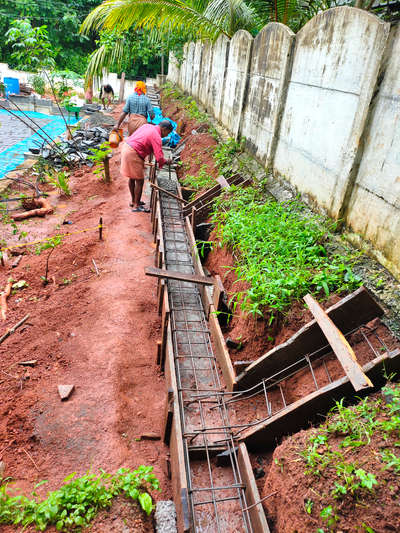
(105, 57)
(183, 16)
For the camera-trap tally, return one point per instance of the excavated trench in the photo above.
(213, 413)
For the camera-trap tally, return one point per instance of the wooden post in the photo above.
(101, 229)
(107, 177)
(121, 88)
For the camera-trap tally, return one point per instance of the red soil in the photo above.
(285, 505)
(96, 332)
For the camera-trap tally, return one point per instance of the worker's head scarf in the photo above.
(140, 87)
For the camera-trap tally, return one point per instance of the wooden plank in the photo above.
(164, 329)
(340, 346)
(178, 464)
(218, 293)
(301, 413)
(180, 276)
(164, 191)
(257, 515)
(222, 181)
(349, 313)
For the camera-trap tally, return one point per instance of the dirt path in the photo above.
(96, 332)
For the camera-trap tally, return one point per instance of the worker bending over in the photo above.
(142, 143)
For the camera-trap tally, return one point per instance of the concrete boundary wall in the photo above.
(198, 51)
(187, 84)
(205, 72)
(374, 207)
(269, 66)
(235, 81)
(335, 68)
(173, 69)
(320, 109)
(217, 77)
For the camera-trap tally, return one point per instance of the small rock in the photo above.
(65, 391)
(2, 469)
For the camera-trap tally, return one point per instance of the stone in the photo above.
(65, 391)
(165, 517)
(2, 469)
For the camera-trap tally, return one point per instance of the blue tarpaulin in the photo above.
(173, 138)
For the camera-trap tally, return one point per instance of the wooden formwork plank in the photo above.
(178, 464)
(257, 515)
(340, 346)
(164, 328)
(301, 413)
(349, 313)
(180, 276)
(221, 351)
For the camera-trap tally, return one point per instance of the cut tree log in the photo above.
(3, 299)
(43, 208)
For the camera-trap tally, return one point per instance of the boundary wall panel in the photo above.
(374, 206)
(269, 65)
(335, 68)
(236, 81)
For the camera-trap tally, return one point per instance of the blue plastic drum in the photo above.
(12, 86)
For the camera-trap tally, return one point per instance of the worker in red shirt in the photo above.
(143, 142)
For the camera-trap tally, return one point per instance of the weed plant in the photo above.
(203, 180)
(99, 155)
(279, 251)
(326, 454)
(77, 502)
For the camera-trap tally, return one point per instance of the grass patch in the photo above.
(77, 502)
(348, 477)
(279, 250)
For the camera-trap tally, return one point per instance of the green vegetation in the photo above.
(189, 105)
(60, 180)
(49, 244)
(99, 156)
(62, 21)
(279, 251)
(224, 154)
(31, 48)
(77, 502)
(327, 454)
(203, 180)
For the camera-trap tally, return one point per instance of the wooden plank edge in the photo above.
(178, 465)
(256, 512)
(221, 351)
(341, 348)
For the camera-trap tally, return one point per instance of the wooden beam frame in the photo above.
(340, 346)
(349, 313)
